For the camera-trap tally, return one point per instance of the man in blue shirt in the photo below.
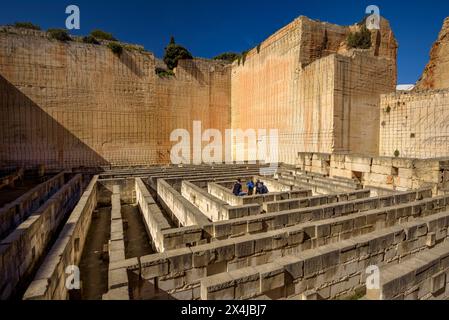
(250, 186)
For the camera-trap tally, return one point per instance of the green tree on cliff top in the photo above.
(174, 53)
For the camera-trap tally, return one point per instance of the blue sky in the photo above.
(208, 27)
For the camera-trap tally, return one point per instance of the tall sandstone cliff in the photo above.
(320, 95)
(75, 104)
(436, 73)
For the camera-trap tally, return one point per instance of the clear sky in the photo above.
(209, 27)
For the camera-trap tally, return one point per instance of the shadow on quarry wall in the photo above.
(191, 68)
(30, 137)
(128, 60)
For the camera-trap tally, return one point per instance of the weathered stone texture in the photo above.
(73, 104)
(319, 100)
(436, 74)
(415, 124)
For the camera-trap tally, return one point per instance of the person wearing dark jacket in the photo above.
(237, 190)
(258, 187)
(264, 189)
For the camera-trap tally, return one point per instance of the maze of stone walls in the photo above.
(73, 104)
(415, 124)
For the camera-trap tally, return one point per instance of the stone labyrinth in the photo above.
(180, 233)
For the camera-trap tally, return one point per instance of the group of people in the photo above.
(259, 187)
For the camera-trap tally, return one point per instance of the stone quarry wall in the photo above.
(380, 172)
(436, 74)
(74, 104)
(415, 124)
(319, 101)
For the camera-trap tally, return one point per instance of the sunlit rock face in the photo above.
(436, 74)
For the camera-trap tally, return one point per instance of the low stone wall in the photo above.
(127, 190)
(279, 220)
(117, 277)
(176, 179)
(226, 195)
(23, 248)
(318, 183)
(155, 221)
(332, 270)
(274, 185)
(214, 208)
(180, 271)
(292, 204)
(209, 205)
(49, 282)
(388, 173)
(185, 212)
(424, 277)
(16, 212)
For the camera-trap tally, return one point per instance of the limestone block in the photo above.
(154, 266)
(406, 173)
(255, 226)
(116, 255)
(240, 227)
(121, 293)
(184, 295)
(222, 229)
(225, 251)
(246, 283)
(280, 241)
(280, 220)
(364, 168)
(117, 278)
(310, 295)
(438, 283)
(263, 243)
(179, 260)
(218, 287)
(244, 248)
(431, 240)
(272, 276)
(403, 163)
(295, 237)
(37, 290)
(170, 283)
(382, 170)
(203, 255)
(293, 266)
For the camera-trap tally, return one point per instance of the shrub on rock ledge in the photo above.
(164, 73)
(116, 48)
(27, 25)
(90, 40)
(102, 35)
(360, 39)
(228, 56)
(59, 34)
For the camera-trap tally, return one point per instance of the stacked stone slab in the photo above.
(22, 250)
(50, 280)
(389, 173)
(16, 212)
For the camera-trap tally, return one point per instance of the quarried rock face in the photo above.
(321, 95)
(436, 74)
